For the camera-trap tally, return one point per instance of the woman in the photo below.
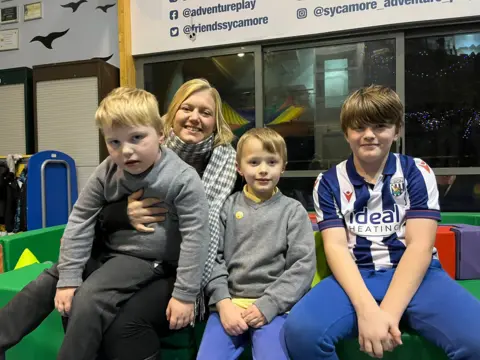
(197, 131)
(200, 135)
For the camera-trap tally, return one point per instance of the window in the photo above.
(305, 86)
(300, 189)
(232, 75)
(459, 192)
(442, 98)
(304, 90)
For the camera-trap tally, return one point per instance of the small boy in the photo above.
(133, 131)
(378, 214)
(266, 257)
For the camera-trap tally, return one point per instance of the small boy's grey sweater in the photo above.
(181, 239)
(267, 252)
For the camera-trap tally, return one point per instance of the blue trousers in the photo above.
(441, 310)
(267, 341)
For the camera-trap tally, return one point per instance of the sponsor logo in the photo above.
(369, 223)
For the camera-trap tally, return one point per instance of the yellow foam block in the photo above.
(290, 114)
(231, 116)
(27, 258)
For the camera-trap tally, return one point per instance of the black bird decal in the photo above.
(103, 58)
(105, 7)
(48, 40)
(74, 5)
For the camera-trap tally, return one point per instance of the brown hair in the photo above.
(126, 106)
(372, 105)
(223, 133)
(271, 140)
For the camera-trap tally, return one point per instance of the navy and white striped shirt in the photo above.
(375, 216)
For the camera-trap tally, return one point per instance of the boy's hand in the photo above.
(395, 333)
(231, 317)
(254, 317)
(63, 300)
(179, 313)
(377, 332)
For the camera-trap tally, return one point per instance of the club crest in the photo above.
(397, 186)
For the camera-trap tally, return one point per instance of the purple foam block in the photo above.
(467, 238)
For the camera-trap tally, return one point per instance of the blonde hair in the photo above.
(223, 133)
(372, 105)
(271, 140)
(126, 106)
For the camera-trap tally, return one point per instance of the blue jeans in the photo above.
(267, 341)
(441, 310)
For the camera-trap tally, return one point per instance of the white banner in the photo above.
(168, 25)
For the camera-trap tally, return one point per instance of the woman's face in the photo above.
(195, 119)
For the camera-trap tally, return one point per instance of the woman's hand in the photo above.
(143, 212)
(180, 313)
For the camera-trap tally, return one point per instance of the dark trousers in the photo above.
(140, 324)
(94, 306)
(97, 302)
(27, 309)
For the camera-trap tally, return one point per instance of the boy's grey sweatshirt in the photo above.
(266, 252)
(181, 239)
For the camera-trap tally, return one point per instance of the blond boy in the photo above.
(133, 131)
(266, 256)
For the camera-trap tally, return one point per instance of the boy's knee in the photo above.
(298, 337)
(470, 348)
(86, 300)
(124, 337)
(292, 327)
(119, 330)
(307, 340)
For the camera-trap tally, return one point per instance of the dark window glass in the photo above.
(232, 75)
(304, 91)
(442, 98)
(459, 193)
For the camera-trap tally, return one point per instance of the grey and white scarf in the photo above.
(218, 180)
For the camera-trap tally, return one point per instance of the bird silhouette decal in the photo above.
(74, 5)
(48, 40)
(103, 58)
(105, 7)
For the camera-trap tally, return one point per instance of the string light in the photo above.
(463, 62)
(431, 122)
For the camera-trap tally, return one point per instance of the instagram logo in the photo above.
(301, 13)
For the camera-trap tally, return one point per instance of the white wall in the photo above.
(92, 33)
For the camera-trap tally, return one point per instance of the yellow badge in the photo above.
(239, 214)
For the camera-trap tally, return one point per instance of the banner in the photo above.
(168, 25)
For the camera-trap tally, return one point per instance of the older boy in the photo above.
(266, 257)
(378, 214)
(133, 131)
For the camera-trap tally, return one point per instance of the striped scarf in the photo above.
(218, 180)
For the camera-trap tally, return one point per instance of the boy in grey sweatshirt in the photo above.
(266, 257)
(133, 131)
